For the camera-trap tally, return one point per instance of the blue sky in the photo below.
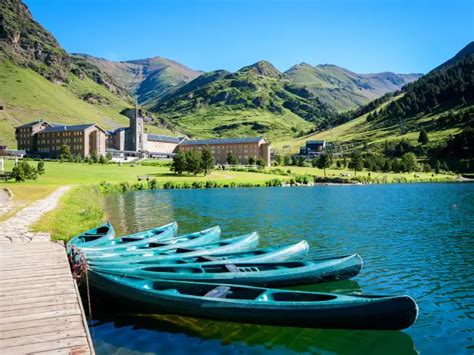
(365, 36)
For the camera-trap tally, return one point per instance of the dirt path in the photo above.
(16, 228)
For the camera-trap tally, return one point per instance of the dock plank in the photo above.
(40, 309)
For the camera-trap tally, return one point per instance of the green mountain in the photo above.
(441, 103)
(343, 89)
(255, 99)
(146, 79)
(39, 79)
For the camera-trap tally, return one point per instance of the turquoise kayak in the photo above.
(277, 274)
(155, 234)
(241, 243)
(278, 253)
(151, 245)
(258, 305)
(93, 237)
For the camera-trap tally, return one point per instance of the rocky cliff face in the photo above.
(25, 42)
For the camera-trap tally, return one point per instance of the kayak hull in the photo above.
(237, 244)
(247, 304)
(254, 274)
(93, 237)
(154, 245)
(134, 240)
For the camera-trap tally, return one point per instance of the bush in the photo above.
(24, 171)
(273, 182)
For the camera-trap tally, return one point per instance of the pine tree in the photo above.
(179, 163)
(40, 168)
(94, 157)
(65, 153)
(324, 162)
(356, 162)
(423, 137)
(231, 159)
(102, 159)
(193, 162)
(207, 160)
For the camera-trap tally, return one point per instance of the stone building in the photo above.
(45, 139)
(133, 140)
(157, 144)
(241, 148)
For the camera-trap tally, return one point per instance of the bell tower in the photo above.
(136, 131)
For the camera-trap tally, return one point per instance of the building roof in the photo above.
(31, 124)
(160, 138)
(64, 128)
(315, 142)
(114, 131)
(222, 141)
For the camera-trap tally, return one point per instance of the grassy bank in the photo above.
(78, 210)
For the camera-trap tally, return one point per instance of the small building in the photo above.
(242, 148)
(46, 139)
(312, 148)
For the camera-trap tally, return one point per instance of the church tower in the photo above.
(136, 132)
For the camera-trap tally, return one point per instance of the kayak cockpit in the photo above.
(242, 293)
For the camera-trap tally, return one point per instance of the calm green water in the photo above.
(416, 239)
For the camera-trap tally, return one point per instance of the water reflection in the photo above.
(162, 333)
(411, 239)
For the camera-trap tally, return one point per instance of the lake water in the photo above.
(415, 239)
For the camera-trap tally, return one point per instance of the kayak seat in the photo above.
(218, 292)
(171, 291)
(184, 250)
(207, 258)
(249, 269)
(232, 268)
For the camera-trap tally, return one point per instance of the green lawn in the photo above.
(80, 209)
(58, 174)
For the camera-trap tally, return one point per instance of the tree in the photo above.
(207, 160)
(260, 162)
(251, 161)
(102, 159)
(65, 153)
(287, 160)
(356, 162)
(324, 162)
(193, 162)
(94, 157)
(279, 159)
(179, 163)
(409, 162)
(40, 168)
(387, 167)
(423, 137)
(231, 159)
(24, 171)
(18, 174)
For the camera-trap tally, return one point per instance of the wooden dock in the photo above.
(40, 307)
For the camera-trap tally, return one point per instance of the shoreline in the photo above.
(106, 187)
(82, 207)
